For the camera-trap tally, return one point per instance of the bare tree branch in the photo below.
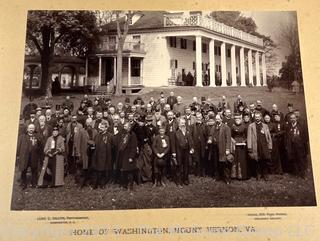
(35, 41)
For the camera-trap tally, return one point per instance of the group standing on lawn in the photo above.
(158, 141)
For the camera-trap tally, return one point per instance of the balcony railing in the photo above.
(106, 46)
(180, 19)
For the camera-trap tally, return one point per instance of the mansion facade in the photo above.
(162, 49)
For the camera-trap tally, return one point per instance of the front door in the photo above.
(109, 70)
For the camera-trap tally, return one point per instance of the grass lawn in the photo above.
(285, 190)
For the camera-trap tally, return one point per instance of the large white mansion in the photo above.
(162, 48)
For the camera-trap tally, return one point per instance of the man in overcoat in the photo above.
(220, 138)
(259, 144)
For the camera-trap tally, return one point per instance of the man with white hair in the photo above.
(68, 104)
(223, 104)
(50, 120)
(28, 155)
(276, 111)
(227, 118)
(171, 100)
(179, 106)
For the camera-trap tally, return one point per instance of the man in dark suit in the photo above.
(160, 147)
(116, 130)
(220, 138)
(181, 150)
(296, 139)
(197, 131)
(28, 155)
(102, 158)
(127, 156)
(171, 100)
(171, 128)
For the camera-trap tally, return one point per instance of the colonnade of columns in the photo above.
(242, 73)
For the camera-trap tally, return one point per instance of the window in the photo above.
(135, 67)
(112, 39)
(136, 38)
(183, 43)
(173, 64)
(194, 46)
(204, 48)
(173, 42)
(228, 53)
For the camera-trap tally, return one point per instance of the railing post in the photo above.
(198, 19)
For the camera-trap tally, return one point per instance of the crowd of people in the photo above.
(158, 140)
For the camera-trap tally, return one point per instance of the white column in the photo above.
(264, 70)
(129, 71)
(141, 71)
(114, 70)
(242, 68)
(223, 65)
(250, 67)
(87, 64)
(198, 61)
(233, 66)
(212, 64)
(257, 68)
(100, 71)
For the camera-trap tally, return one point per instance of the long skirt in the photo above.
(53, 167)
(240, 167)
(145, 163)
(277, 156)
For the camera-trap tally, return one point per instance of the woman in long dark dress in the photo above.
(272, 166)
(239, 136)
(278, 154)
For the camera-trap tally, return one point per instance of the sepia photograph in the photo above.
(162, 109)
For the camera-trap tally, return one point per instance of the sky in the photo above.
(269, 23)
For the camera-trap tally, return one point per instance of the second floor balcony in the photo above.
(181, 19)
(107, 46)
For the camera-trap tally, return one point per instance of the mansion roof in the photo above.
(165, 21)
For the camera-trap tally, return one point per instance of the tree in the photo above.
(289, 39)
(236, 20)
(73, 31)
(122, 31)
